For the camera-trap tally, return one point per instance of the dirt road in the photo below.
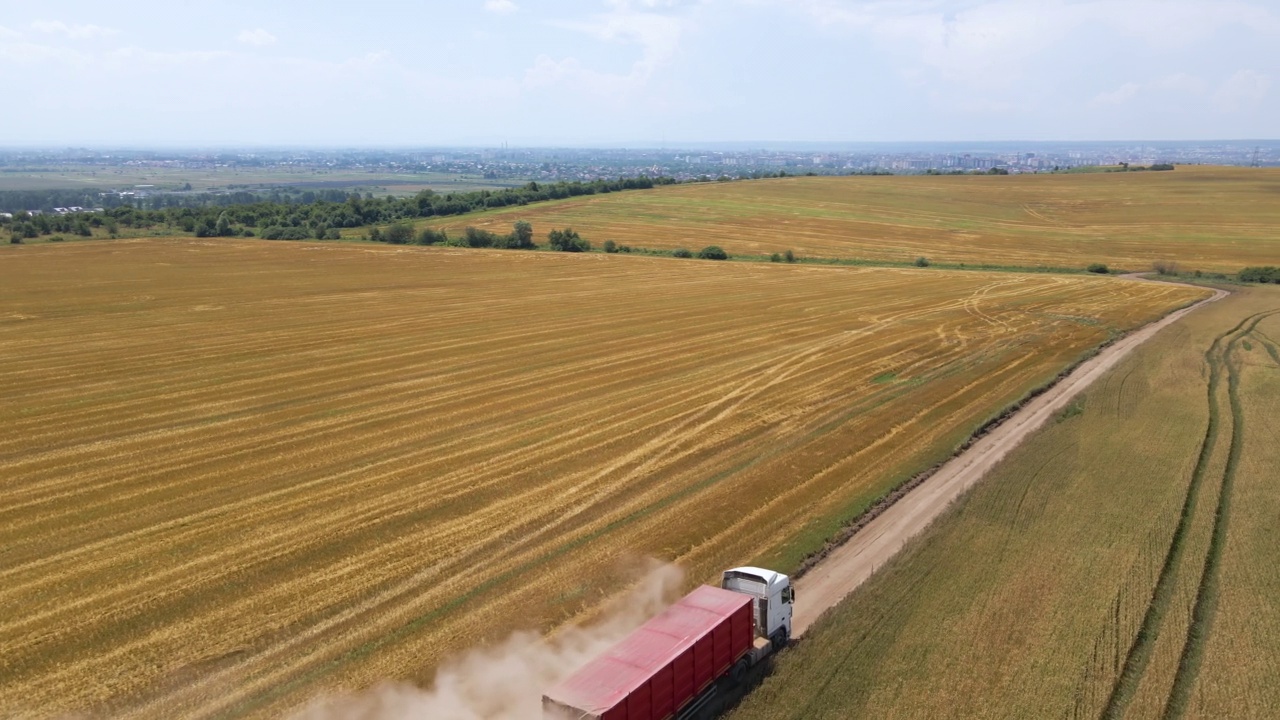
(851, 564)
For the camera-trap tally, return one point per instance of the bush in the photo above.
(399, 234)
(1264, 274)
(567, 241)
(56, 238)
(713, 252)
(921, 261)
(1165, 267)
(521, 236)
(1099, 268)
(477, 238)
(681, 253)
(610, 246)
(789, 256)
(275, 232)
(429, 236)
(15, 239)
(330, 234)
(775, 258)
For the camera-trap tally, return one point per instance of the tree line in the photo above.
(1263, 274)
(323, 217)
(521, 238)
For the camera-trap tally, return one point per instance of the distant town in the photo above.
(80, 179)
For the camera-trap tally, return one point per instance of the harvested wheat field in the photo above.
(1119, 564)
(237, 474)
(1199, 218)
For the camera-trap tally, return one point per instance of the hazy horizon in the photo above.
(637, 73)
(708, 145)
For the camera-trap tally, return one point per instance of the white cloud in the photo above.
(501, 7)
(985, 43)
(75, 32)
(658, 35)
(1182, 84)
(1119, 96)
(26, 53)
(256, 37)
(1245, 89)
(7, 34)
(142, 57)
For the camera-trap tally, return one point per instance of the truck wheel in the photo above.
(739, 672)
(780, 639)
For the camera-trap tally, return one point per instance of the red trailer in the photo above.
(665, 664)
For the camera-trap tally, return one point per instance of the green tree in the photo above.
(713, 252)
(1264, 274)
(567, 240)
(477, 238)
(522, 236)
(789, 256)
(399, 234)
(430, 236)
(223, 227)
(681, 253)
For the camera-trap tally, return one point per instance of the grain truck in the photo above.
(678, 662)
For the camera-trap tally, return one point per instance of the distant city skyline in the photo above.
(637, 73)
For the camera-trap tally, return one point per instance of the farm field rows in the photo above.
(1202, 218)
(1120, 564)
(240, 473)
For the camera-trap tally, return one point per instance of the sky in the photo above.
(365, 73)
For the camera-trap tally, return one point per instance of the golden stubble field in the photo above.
(1202, 218)
(1120, 564)
(236, 474)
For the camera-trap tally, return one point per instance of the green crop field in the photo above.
(1120, 564)
(1201, 218)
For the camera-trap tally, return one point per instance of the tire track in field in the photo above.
(651, 453)
(1139, 655)
(1205, 608)
(1269, 344)
(786, 372)
(803, 354)
(388, 463)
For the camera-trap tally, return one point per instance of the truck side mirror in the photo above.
(788, 594)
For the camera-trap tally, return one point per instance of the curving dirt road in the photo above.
(849, 565)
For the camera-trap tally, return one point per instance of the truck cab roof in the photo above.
(774, 580)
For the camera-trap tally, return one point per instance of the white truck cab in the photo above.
(774, 598)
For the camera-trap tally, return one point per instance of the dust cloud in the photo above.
(506, 681)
